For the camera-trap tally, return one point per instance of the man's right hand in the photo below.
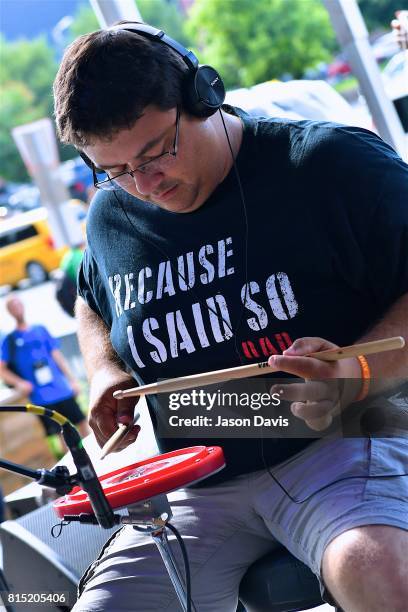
(24, 387)
(105, 412)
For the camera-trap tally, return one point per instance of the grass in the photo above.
(347, 84)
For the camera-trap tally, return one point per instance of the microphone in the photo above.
(87, 477)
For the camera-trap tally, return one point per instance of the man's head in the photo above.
(116, 98)
(107, 79)
(16, 308)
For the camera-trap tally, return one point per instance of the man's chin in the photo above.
(174, 203)
(178, 204)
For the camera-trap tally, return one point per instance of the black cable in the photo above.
(186, 564)
(241, 192)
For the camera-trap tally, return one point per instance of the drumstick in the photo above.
(118, 436)
(255, 369)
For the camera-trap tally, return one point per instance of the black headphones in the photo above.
(203, 90)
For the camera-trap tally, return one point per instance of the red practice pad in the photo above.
(148, 478)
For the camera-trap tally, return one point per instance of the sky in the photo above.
(30, 18)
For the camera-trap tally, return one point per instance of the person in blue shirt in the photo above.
(31, 362)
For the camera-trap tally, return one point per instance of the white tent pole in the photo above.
(109, 11)
(352, 35)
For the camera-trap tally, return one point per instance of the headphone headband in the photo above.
(155, 34)
(203, 90)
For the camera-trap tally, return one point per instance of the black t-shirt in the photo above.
(319, 248)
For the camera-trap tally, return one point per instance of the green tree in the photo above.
(166, 16)
(85, 21)
(160, 13)
(17, 107)
(27, 70)
(251, 42)
(31, 62)
(378, 13)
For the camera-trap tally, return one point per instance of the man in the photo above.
(185, 273)
(400, 28)
(65, 292)
(31, 362)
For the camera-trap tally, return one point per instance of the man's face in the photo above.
(179, 184)
(16, 308)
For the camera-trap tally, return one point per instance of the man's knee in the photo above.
(368, 564)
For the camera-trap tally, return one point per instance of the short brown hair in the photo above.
(107, 78)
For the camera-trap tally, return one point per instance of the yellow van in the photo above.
(27, 248)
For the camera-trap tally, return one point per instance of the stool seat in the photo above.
(278, 582)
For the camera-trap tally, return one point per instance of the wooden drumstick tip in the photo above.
(118, 394)
(118, 436)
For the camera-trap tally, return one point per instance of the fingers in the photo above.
(306, 345)
(102, 420)
(107, 413)
(312, 410)
(128, 439)
(304, 367)
(315, 402)
(317, 415)
(321, 423)
(125, 409)
(311, 391)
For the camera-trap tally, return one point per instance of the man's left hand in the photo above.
(320, 397)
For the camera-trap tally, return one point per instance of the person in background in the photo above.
(31, 363)
(400, 28)
(66, 287)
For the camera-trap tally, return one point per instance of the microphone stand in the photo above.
(151, 516)
(63, 482)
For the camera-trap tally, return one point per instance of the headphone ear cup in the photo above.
(204, 92)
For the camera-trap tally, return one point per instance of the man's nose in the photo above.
(146, 183)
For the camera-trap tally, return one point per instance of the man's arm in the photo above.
(65, 369)
(105, 374)
(12, 379)
(386, 369)
(392, 364)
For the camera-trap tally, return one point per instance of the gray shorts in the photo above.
(229, 526)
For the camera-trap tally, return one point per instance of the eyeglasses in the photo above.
(155, 164)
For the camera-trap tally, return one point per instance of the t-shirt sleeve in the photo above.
(5, 350)
(387, 244)
(51, 342)
(371, 181)
(90, 288)
(382, 202)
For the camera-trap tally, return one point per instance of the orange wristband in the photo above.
(365, 378)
